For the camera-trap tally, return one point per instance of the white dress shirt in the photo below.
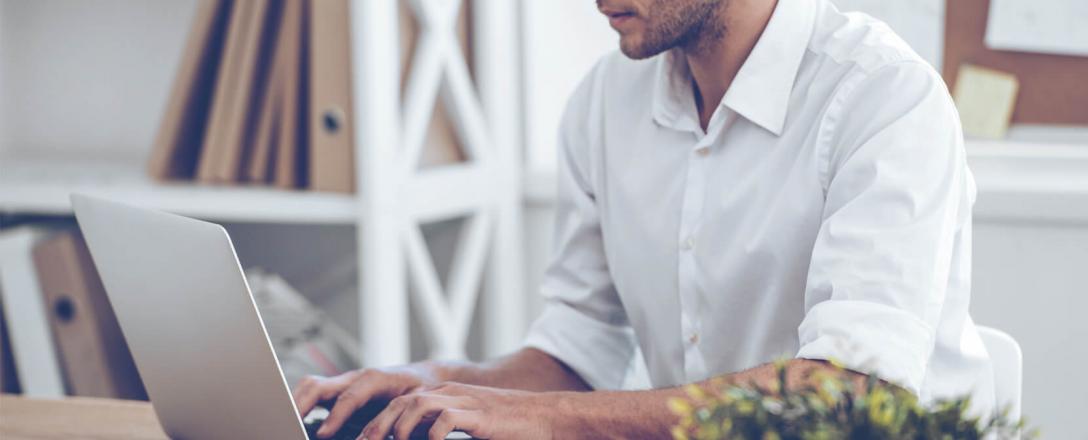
(825, 213)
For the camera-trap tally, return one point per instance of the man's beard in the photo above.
(690, 26)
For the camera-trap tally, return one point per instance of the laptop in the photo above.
(193, 328)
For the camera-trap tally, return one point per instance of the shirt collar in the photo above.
(762, 88)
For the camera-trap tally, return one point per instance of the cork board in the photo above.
(1053, 88)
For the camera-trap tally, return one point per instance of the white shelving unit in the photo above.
(395, 196)
(42, 186)
(488, 190)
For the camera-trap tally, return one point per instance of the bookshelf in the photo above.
(395, 196)
(41, 187)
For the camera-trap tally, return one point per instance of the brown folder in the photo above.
(9, 380)
(181, 130)
(260, 158)
(233, 116)
(256, 72)
(221, 115)
(95, 359)
(331, 137)
(290, 153)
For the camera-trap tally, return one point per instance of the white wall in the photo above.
(1031, 280)
(87, 77)
(562, 40)
(919, 22)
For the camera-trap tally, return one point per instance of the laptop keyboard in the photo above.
(350, 431)
(352, 427)
(355, 424)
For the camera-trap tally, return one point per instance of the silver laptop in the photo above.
(190, 321)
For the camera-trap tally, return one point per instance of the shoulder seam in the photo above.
(828, 123)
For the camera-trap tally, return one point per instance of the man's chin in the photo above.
(635, 50)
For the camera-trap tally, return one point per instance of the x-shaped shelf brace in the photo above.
(439, 61)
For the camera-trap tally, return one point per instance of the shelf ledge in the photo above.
(43, 186)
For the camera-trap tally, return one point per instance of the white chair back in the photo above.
(1008, 363)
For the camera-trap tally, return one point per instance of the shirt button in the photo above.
(703, 152)
(688, 244)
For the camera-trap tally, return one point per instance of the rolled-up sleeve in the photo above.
(583, 323)
(898, 190)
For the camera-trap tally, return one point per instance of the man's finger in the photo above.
(456, 420)
(353, 398)
(422, 407)
(313, 389)
(379, 427)
(305, 394)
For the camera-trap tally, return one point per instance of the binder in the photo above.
(290, 158)
(36, 362)
(260, 159)
(331, 136)
(231, 128)
(92, 350)
(257, 168)
(9, 380)
(222, 98)
(256, 70)
(180, 136)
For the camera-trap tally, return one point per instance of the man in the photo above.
(755, 179)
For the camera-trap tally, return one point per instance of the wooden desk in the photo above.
(77, 418)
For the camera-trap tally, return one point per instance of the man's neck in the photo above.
(718, 54)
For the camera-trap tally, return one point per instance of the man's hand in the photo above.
(353, 390)
(526, 369)
(425, 397)
(481, 412)
(493, 413)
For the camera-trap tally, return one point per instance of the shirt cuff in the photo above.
(599, 352)
(868, 338)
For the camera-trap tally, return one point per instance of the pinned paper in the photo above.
(1044, 26)
(985, 99)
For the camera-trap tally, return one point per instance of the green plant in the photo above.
(829, 406)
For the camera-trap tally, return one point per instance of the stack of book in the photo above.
(263, 96)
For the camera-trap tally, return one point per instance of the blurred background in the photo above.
(89, 91)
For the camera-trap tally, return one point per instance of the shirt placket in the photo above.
(687, 270)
